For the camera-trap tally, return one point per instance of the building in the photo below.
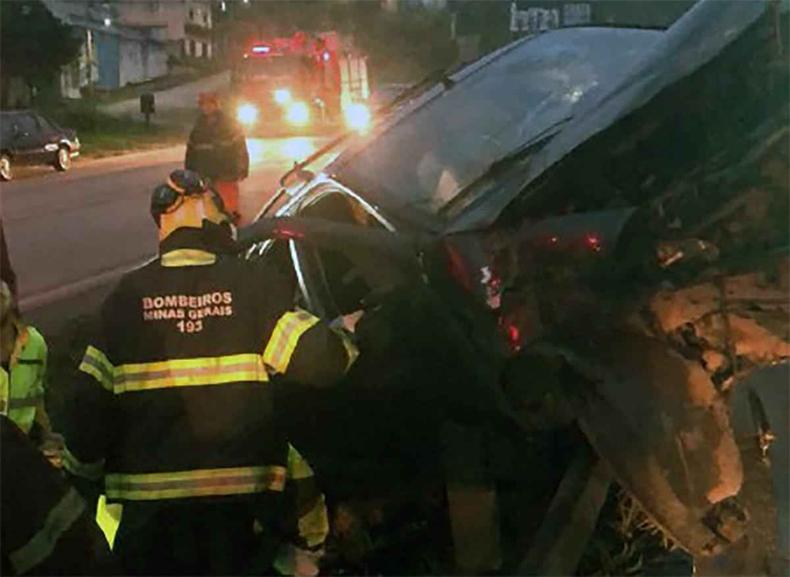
(532, 16)
(113, 53)
(188, 24)
(395, 5)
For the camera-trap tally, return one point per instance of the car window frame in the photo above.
(307, 271)
(321, 187)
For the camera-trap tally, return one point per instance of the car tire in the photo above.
(5, 168)
(63, 159)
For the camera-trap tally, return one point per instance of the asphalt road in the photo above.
(69, 233)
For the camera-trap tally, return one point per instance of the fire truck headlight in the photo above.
(247, 114)
(282, 96)
(298, 114)
(357, 117)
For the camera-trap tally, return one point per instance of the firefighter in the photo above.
(217, 150)
(22, 374)
(173, 406)
(46, 529)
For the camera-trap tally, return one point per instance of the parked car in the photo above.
(617, 200)
(30, 138)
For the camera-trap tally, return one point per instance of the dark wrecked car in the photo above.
(589, 257)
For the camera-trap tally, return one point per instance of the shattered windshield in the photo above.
(428, 157)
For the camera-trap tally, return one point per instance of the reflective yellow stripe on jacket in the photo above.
(91, 471)
(173, 373)
(285, 337)
(95, 363)
(189, 373)
(60, 518)
(198, 483)
(313, 520)
(187, 257)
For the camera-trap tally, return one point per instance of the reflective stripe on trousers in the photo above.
(198, 483)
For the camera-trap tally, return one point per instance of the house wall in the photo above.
(78, 73)
(168, 13)
(188, 23)
(141, 61)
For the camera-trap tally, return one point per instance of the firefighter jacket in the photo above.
(45, 526)
(22, 385)
(175, 396)
(217, 149)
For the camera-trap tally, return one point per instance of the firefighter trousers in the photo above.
(229, 191)
(186, 539)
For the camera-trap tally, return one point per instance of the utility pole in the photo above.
(89, 40)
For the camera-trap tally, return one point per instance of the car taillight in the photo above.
(512, 333)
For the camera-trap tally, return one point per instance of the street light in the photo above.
(107, 22)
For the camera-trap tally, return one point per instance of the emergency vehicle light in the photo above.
(261, 49)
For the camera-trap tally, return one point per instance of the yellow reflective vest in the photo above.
(22, 385)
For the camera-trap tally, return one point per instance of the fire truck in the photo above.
(303, 82)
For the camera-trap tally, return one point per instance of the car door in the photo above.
(50, 137)
(27, 144)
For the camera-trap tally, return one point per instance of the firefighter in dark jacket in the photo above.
(217, 150)
(174, 403)
(46, 527)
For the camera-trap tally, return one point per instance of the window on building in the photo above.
(199, 49)
(192, 49)
(205, 18)
(191, 14)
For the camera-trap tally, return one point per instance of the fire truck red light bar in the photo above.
(261, 49)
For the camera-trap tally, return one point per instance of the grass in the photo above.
(120, 139)
(103, 135)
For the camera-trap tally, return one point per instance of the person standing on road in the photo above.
(173, 405)
(217, 150)
(22, 375)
